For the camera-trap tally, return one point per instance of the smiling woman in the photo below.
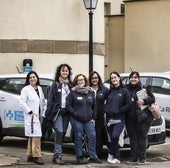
(32, 101)
(82, 109)
(117, 105)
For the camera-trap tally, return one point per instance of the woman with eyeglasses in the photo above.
(117, 105)
(33, 103)
(82, 108)
(101, 93)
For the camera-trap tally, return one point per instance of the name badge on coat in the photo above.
(79, 98)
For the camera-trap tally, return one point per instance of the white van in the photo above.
(12, 116)
(159, 84)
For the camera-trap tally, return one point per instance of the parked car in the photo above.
(12, 116)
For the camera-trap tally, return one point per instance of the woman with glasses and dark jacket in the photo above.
(101, 93)
(82, 108)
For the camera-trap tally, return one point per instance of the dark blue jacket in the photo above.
(53, 100)
(118, 103)
(101, 96)
(81, 106)
(133, 89)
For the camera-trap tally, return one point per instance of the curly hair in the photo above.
(58, 70)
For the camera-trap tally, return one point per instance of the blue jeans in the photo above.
(79, 128)
(60, 126)
(114, 133)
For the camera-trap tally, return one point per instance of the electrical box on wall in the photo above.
(27, 65)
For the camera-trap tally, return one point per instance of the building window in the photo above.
(107, 8)
(122, 8)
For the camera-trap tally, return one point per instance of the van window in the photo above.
(125, 80)
(44, 84)
(161, 86)
(13, 85)
(143, 80)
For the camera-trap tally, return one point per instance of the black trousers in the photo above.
(101, 135)
(137, 132)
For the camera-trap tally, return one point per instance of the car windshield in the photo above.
(14, 85)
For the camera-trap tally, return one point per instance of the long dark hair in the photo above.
(58, 70)
(90, 78)
(28, 77)
(111, 84)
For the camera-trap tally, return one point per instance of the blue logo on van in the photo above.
(15, 115)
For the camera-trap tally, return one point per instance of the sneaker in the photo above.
(110, 158)
(142, 161)
(132, 161)
(38, 160)
(115, 161)
(58, 160)
(94, 160)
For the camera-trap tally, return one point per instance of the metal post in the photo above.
(90, 41)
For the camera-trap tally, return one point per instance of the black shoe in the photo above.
(94, 160)
(30, 158)
(132, 161)
(58, 160)
(142, 161)
(80, 160)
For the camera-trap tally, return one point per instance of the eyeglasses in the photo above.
(95, 78)
(79, 80)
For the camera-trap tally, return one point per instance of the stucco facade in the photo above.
(139, 39)
(49, 32)
(147, 39)
(53, 32)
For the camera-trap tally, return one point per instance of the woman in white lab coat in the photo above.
(33, 103)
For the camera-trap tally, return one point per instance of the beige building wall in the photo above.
(49, 32)
(114, 41)
(147, 39)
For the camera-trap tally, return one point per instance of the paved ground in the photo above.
(17, 159)
(12, 155)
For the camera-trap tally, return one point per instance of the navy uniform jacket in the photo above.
(118, 103)
(101, 96)
(81, 106)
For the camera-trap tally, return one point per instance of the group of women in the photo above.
(85, 102)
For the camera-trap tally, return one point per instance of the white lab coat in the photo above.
(30, 101)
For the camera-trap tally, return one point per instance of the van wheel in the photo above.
(1, 133)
